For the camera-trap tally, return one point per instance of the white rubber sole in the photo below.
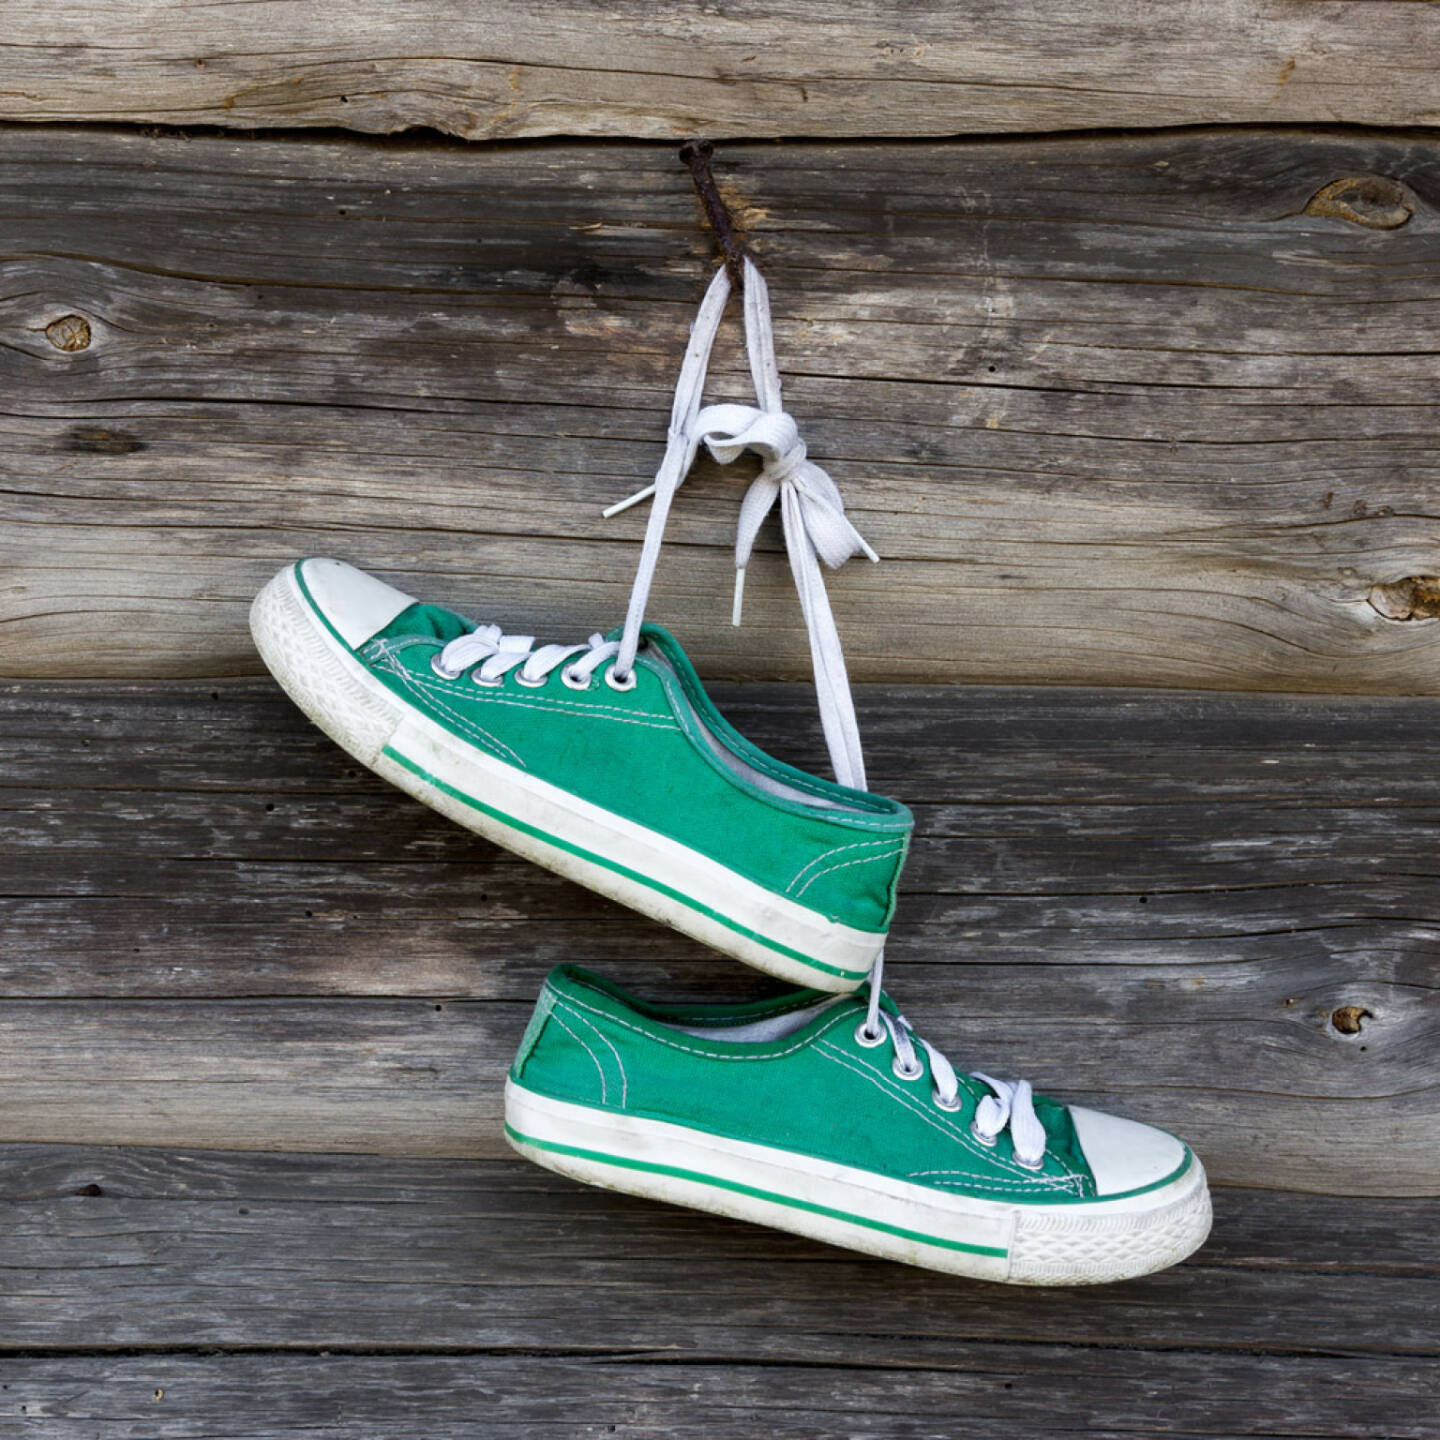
(655, 875)
(1082, 1243)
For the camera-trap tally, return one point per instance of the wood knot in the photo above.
(96, 440)
(1348, 1017)
(88, 1190)
(69, 332)
(1415, 598)
(1369, 200)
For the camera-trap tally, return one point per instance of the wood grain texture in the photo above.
(756, 68)
(1150, 410)
(220, 931)
(573, 1311)
(989, 1392)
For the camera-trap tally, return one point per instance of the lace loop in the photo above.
(812, 515)
(727, 431)
(680, 450)
(1012, 1104)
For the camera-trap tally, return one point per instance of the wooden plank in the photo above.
(991, 1392)
(556, 1302)
(1247, 1086)
(337, 1250)
(1135, 410)
(221, 931)
(757, 69)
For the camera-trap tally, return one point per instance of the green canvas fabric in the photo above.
(817, 1091)
(643, 754)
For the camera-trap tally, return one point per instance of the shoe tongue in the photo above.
(419, 619)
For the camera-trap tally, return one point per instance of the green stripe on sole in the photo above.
(659, 886)
(676, 1173)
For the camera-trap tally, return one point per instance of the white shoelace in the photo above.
(812, 512)
(813, 516)
(816, 528)
(1011, 1103)
(495, 654)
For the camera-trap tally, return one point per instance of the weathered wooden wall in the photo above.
(1150, 410)
(1120, 406)
(750, 68)
(1215, 913)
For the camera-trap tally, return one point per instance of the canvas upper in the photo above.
(659, 754)
(815, 1089)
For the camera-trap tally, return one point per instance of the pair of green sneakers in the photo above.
(818, 1111)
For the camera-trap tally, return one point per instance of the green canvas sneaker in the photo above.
(639, 789)
(606, 761)
(795, 1113)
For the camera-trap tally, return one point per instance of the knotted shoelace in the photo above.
(813, 516)
(812, 512)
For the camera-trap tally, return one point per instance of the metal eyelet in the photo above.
(865, 1038)
(530, 684)
(988, 1141)
(942, 1104)
(440, 668)
(901, 1073)
(572, 681)
(476, 678)
(628, 683)
(1026, 1165)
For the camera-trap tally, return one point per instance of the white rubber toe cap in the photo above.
(356, 604)
(1123, 1154)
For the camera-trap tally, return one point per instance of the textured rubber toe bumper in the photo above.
(310, 654)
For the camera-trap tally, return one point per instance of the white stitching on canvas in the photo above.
(1073, 1174)
(385, 649)
(560, 707)
(945, 1127)
(593, 1056)
(707, 1054)
(837, 850)
(809, 785)
(840, 1058)
(620, 1064)
(1052, 1182)
(465, 725)
(518, 703)
(966, 1139)
(845, 865)
(379, 650)
(831, 1052)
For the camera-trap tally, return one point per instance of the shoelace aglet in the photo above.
(625, 504)
(738, 603)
